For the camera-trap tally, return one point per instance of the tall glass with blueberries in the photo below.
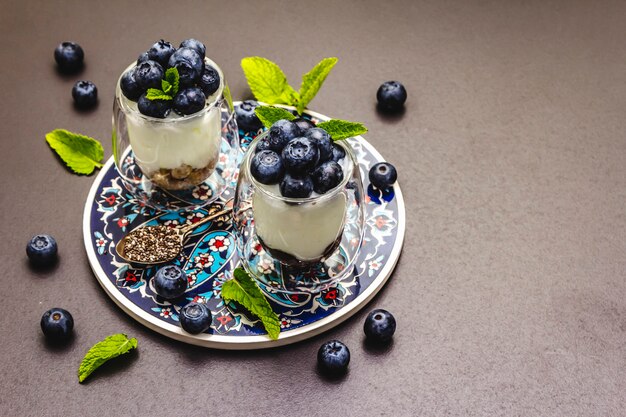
(175, 138)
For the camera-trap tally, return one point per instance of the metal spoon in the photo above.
(150, 245)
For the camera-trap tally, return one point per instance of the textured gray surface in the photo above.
(511, 291)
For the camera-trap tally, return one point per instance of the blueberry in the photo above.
(154, 108)
(296, 187)
(267, 167)
(85, 94)
(161, 52)
(195, 318)
(170, 282)
(282, 132)
(69, 57)
(380, 325)
(323, 141)
(42, 250)
(303, 124)
(57, 324)
(149, 75)
(210, 80)
(300, 155)
(333, 357)
(189, 101)
(129, 85)
(326, 177)
(189, 64)
(247, 120)
(142, 58)
(195, 45)
(382, 175)
(338, 153)
(391, 96)
(262, 145)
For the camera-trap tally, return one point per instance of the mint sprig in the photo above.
(169, 86)
(80, 153)
(156, 94)
(312, 82)
(268, 115)
(342, 129)
(111, 347)
(243, 290)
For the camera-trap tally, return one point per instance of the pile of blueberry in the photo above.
(298, 156)
(198, 80)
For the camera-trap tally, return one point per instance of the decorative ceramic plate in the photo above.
(210, 256)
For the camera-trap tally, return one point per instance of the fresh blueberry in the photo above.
(210, 80)
(170, 282)
(326, 177)
(323, 141)
(300, 155)
(247, 120)
(281, 133)
(129, 85)
(303, 124)
(382, 175)
(149, 75)
(189, 101)
(338, 153)
(154, 108)
(161, 52)
(189, 64)
(391, 96)
(296, 187)
(333, 358)
(85, 94)
(42, 250)
(267, 167)
(380, 325)
(262, 144)
(195, 45)
(57, 324)
(69, 57)
(142, 58)
(195, 318)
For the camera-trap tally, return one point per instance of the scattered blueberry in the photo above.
(383, 175)
(170, 282)
(189, 101)
(149, 75)
(267, 167)
(161, 52)
(281, 133)
(333, 358)
(326, 177)
(296, 187)
(338, 153)
(57, 324)
(323, 141)
(300, 155)
(391, 95)
(195, 45)
(142, 58)
(303, 124)
(195, 318)
(85, 94)
(42, 250)
(380, 325)
(69, 57)
(129, 85)
(210, 80)
(247, 120)
(189, 64)
(154, 108)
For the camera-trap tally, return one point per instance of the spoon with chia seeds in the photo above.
(150, 245)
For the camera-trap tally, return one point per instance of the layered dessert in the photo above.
(170, 99)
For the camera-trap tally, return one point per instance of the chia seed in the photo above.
(152, 244)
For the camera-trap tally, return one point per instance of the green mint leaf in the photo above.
(111, 347)
(154, 94)
(173, 79)
(229, 98)
(166, 87)
(80, 153)
(313, 80)
(267, 81)
(242, 289)
(268, 115)
(342, 129)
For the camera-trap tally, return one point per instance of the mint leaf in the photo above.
(242, 289)
(173, 79)
(111, 347)
(342, 129)
(80, 153)
(267, 81)
(166, 87)
(268, 115)
(313, 80)
(154, 94)
(228, 97)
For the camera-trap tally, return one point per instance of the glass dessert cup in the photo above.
(298, 245)
(179, 162)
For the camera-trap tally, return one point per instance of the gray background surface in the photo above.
(510, 294)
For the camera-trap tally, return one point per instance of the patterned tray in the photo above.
(210, 255)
